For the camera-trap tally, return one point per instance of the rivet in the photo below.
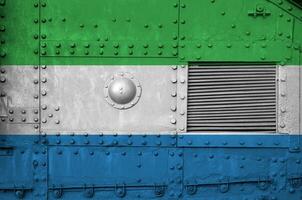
(173, 121)
(182, 80)
(161, 45)
(43, 52)
(2, 54)
(173, 108)
(44, 80)
(2, 79)
(173, 80)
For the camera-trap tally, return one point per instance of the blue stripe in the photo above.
(150, 167)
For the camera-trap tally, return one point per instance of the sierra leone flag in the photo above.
(154, 99)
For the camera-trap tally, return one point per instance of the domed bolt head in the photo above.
(122, 90)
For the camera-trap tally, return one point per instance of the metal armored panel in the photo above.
(128, 173)
(75, 98)
(19, 99)
(109, 28)
(246, 174)
(16, 172)
(289, 95)
(227, 32)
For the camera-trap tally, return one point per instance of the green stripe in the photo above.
(154, 32)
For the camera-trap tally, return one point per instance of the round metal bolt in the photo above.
(173, 108)
(2, 79)
(173, 121)
(44, 80)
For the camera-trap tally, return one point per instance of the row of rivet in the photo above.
(114, 142)
(282, 96)
(116, 52)
(2, 30)
(225, 143)
(44, 107)
(181, 102)
(173, 107)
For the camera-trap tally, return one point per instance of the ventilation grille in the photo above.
(231, 98)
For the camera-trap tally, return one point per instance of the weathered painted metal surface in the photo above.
(156, 32)
(108, 99)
